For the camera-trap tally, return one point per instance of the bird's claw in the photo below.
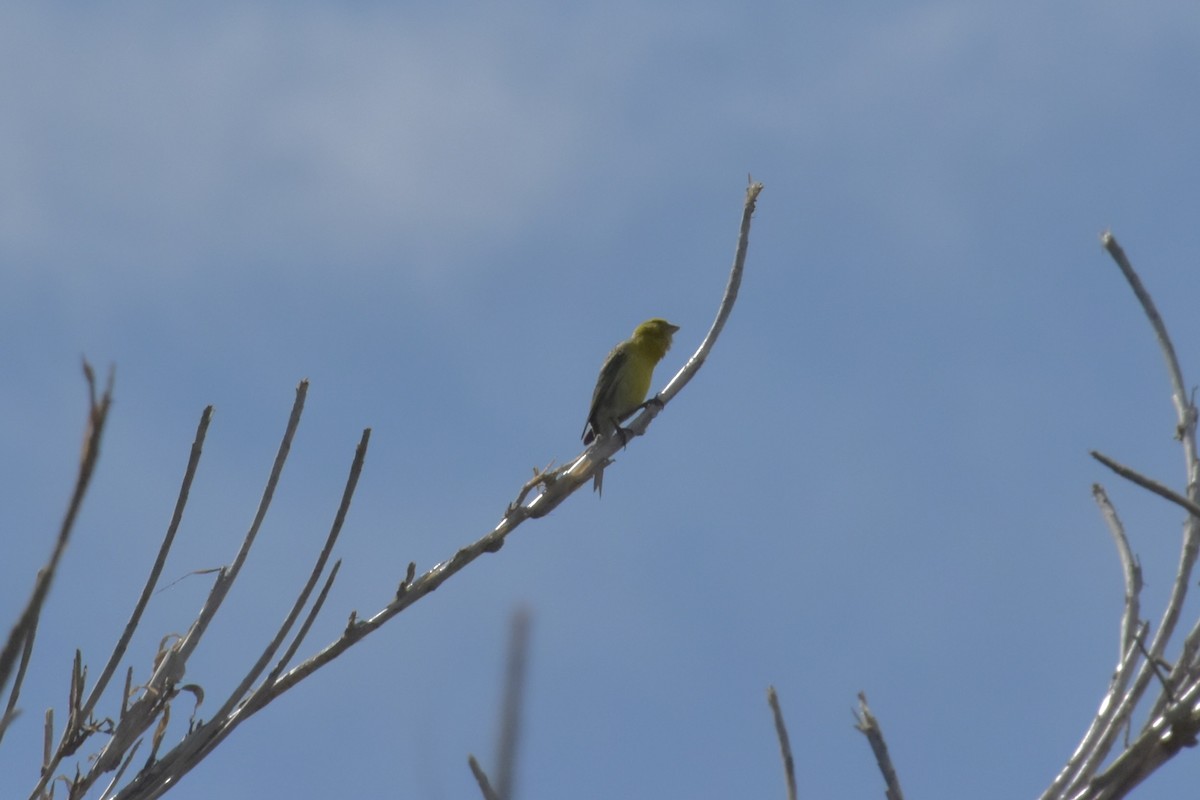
(624, 434)
(655, 401)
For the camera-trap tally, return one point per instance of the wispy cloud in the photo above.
(260, 134)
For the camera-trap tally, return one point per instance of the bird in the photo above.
(624, 382)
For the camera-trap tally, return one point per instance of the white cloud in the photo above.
(259, 133)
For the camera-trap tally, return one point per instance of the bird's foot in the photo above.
(655, 401)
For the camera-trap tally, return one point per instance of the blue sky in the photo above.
(445, 216)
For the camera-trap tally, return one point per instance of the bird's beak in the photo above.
(674, 328)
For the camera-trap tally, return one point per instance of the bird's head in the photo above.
(655, 333)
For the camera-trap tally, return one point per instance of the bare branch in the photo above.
(170, 669)
(1157, 669)
(7, 718)
(1183, 405)
(1150, 484)
(1185, 432)
(72, 735)
(601, 452)
(510, 713)
(47, 736)
(185, 756)
(1161, 739)
(865, 721)
(1115, 708)
(120, 773)
(785, 747)
(1130, 569)
(235, 697)
(482, 779)
(97, 416)
(302, 633)
(1172, 722)
(11, 711)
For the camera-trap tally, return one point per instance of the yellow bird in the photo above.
(625, 380)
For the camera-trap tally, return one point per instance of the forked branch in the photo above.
(1173, 720)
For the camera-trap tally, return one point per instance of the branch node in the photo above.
(869, 726)
(408, 579)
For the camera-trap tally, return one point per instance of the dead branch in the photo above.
(865, 721)
(1173, 719)
(785, 747)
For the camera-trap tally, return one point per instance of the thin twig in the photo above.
(303, 630)
(7, 718)
(71, 733)
(171, 668)
(482, 779)
(1148, 483)
(339, 520)
(865, 721)
(237, 708)
(97, 416)
(785, 747)
(1158, 673)
(1130, 569)
(1183, 406)
(205, 738)
(160, 560)
(47, 736)
(226, 577)
(732, 287)
(509, 735)
(1115, 708)
(11, 711)
(541, 477)
(112, 785)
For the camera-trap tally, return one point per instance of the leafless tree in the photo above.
(1160, 698)
(1171, 712)
(143, 713)
(1145, 690)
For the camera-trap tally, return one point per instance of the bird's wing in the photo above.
(607, 386)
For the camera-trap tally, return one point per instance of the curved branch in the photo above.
(1185, 431)
(1184, 408)
(1171, 722)
(598, 455)
(785, 746)
(1116, 706)
(159, 774)
(23, 629)
(1130, 569)
(71, 734)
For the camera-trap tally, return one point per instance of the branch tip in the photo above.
(785, 747)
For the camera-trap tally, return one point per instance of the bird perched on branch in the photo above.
(624, 381)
